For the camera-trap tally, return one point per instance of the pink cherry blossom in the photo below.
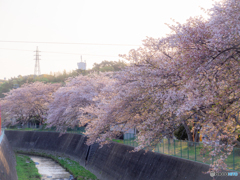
(29, 101)
(189, 77)
(79, 92)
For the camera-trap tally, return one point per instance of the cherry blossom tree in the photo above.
(79, 92)
(189, 77)
(29, 101)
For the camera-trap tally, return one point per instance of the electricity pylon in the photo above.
(37, 71)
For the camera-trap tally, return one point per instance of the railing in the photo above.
(1, 135)
(187, 150)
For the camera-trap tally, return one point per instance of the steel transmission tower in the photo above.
(37, 71)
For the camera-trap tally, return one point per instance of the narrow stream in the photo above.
(49, 169)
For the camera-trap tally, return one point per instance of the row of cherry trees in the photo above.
(54, 104)
(189, 77)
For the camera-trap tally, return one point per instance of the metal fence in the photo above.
(187, 150)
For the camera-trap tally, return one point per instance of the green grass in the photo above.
(25, 129)
(236, 160)
(79, 172)
(74, 168)
(26, 171)
(38, 129)
(118, 141)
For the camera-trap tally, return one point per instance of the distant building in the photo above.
(126, 133)
(82, 65)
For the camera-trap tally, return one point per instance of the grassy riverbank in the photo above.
(73, 167)
(26, 168)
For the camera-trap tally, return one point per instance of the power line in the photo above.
(78, 54)
(16, 49)
(95, 44)
(61, 52)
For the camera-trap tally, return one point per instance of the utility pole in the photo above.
(37, 71)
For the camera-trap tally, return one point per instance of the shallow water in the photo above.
(49, 169)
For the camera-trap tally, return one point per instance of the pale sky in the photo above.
(82, 21)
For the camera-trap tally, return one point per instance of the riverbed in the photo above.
(49, 169)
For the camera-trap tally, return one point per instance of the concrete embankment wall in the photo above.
(7, 161)
(112, 162)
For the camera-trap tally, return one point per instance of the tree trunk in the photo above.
(237, 142)
(196, 134)
(189, 134)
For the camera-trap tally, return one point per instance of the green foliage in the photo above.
(109, 66)
(14, 83)
(58, 77)
(6, 86)
(26, 168)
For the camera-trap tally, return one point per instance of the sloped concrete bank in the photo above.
(112, 162)
(7, 161)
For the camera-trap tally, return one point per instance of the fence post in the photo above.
(132, 140)
(181, 147)
(163, 145)
(195, 151)
(212, 157)
(233, 160)
(174, 147)
(126, 138)
(168, 146)
(131, 137)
